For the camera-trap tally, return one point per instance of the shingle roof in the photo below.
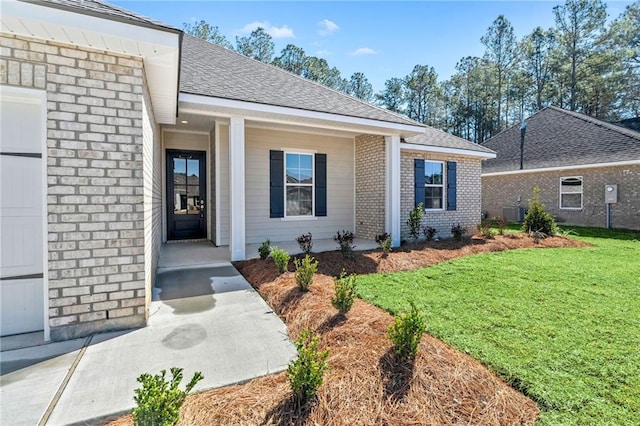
(556, 137)
(211, 70)
(435, 137)
(104, 10)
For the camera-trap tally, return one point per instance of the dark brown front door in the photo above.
(186, 194)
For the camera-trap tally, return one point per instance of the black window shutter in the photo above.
(276, 183)
(418, 172)
(321, 184)
(451, 185)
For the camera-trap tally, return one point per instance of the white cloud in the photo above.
(275, 32)
(361, 51)
(323, 52)
(327, 27)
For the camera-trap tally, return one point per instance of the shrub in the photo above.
(385, 241)
(280, 258)
(305, 243)
(458, 231)
(159, 401)
(406, 331)
(305, 269)
(486, 230)
(345, 292)
(306, 372)
(502, 224)
(345, 241)
(537, 219)
(414, 222)
(265, 249)
(429, 232)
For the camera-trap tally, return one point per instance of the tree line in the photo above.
(581, 64)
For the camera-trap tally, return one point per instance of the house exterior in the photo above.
(580, 164)
(120, 134)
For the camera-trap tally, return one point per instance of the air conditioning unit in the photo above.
(514, 213)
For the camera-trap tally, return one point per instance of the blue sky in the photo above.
(382, 39)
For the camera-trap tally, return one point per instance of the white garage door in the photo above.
(21, 211)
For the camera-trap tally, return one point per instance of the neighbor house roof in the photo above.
(104, 10)
(438, 138)
(559, 138)
(210, 70)
(629, 123)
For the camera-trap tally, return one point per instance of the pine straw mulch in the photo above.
(366, 384)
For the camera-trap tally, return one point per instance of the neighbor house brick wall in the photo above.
(95, 181)
(370, 185)
(468, 197)
(516, 189)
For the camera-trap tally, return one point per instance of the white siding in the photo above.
(340, 185)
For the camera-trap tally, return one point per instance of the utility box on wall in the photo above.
(611, 194)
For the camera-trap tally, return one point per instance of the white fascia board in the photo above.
(444, 150)
(563, 168)
(159, 49)
(249, 109)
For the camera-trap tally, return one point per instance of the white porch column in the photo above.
(236, 188)
(392, 188)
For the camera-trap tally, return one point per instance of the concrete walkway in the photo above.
(206, 319)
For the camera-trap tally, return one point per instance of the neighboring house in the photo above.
(571, 157)
(120, 133)
(629, 123)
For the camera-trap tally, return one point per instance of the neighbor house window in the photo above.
(434, 185)
(299, 184)
(571, 192)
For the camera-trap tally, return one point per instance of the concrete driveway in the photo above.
(206, 319)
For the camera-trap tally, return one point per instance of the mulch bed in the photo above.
(366, 384)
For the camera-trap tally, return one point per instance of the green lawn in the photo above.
(560, 325)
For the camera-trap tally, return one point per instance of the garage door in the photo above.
(21, 211)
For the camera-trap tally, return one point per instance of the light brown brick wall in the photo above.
(469, 189)
(506, 190)
(370, 185)
(95, 181)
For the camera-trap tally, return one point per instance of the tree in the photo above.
(579, 24)
(360, 87)
(501, 52)
(392, 97)
(419, 87)
(536, 51)
(258, 45)
(207, 32)
(292, 59)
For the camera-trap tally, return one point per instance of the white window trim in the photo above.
(444, 186)
(563, 193)
(312, 185)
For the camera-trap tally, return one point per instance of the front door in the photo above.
(186, 194)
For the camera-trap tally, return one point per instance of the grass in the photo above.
(560, 325)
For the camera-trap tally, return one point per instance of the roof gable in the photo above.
(559, 138)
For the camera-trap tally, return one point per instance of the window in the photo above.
(571, 193)
(299, 184)
(434, 185)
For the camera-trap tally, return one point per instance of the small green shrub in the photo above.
(429, 232)
(305, 374)
(537, 219)
(345, 242)
(406, 331)
(486, 230)
(280, 258)
(345, 292)
(414, 222)
(305, 243)
(385, 241)
(458, 231)
(305, 269)
(265, 249)
(502, 224)
(159, 401)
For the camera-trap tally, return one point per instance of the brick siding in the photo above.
(468, 194)
(370, 185)
(516, 189)
(95, 181)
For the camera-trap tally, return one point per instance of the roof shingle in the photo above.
(439, 138)
(558, 138)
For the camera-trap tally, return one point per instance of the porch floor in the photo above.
(204, 253)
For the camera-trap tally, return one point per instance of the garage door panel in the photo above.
(21, 134)
(25, 316)
(21, 247)
(21, 186)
